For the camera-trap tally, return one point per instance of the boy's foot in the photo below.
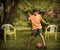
(45, 47)
(28, 45)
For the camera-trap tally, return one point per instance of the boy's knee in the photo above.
(41, 35)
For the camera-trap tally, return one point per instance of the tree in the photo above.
(8, 16)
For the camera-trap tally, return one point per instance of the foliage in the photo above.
(26, 6)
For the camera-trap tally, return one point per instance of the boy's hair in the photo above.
(35, 10)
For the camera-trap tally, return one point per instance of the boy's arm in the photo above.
(45, 22)
(28, 18)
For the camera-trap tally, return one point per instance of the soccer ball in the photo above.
(39, 45)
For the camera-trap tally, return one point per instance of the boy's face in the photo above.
(35, 13)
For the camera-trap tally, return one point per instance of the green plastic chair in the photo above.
(9, 30)
(51, 29)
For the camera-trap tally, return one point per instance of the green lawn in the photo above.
(22, 40)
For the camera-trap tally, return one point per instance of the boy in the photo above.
(36, 26)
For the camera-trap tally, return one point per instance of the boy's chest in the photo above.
(36, 18)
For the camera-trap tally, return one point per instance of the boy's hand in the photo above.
(48, 23)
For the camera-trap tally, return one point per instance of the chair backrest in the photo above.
(7, 27)
(52, 28)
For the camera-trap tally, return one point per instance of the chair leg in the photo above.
(5, 37)
(55, 36)
(15, 36)
(10, 36)
(48, 36)
(45, 35)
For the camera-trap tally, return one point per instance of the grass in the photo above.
(22, 40)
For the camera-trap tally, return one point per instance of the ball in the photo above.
(39, 45)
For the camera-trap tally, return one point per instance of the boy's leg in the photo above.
(33, 34)
(30, 40)
(42, 38)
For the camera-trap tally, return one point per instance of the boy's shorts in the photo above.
(36, 32)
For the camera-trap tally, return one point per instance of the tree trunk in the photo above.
(1, 30)
(5, 6)
(12, 11)
(4, 19)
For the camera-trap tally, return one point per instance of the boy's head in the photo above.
(35, 11)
